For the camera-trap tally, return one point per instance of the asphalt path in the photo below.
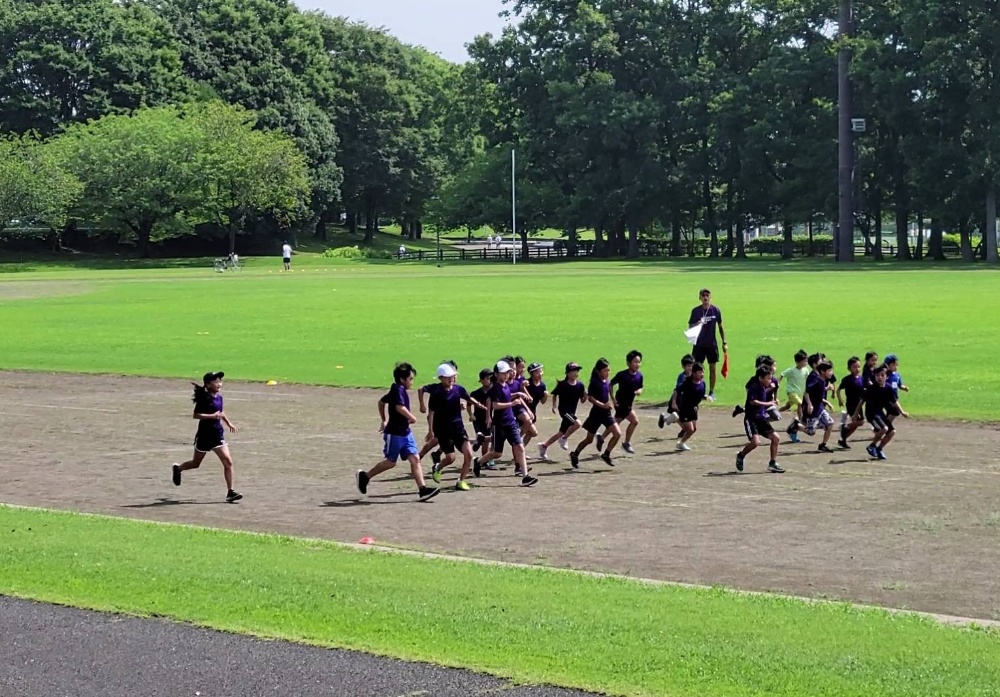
(52, 651)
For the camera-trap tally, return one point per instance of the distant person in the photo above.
(706, 348)
(286, 256)
(211, 436)
(402, 251)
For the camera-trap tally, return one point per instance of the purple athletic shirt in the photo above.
(628, 384)
(209, 404)
(690, 394)
(447, 405)
(712, 317)
(501, 394)
(599, 390)
(759, 393)
(816, 389)
(569, 396)
(397, 424)
(536, 392)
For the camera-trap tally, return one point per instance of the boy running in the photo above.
(795, 383)
(446, 423)
(478, 414)
(815, 405)
(601, 415)
(397, 438)
(687, 363)
(895, 381)
(211, 436)
(850, 394)
(500, 405)
(880, 401)
(629, 383)
(566, 397)
(688, 396)
(756, 422)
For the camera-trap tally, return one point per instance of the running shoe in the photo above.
(599, 442)
(574, 460)
(824, 448)
(463, 486)
(426, 493)
(543, 453)
(177, 474)
(739, 461)
(773, 466)
(527, 480)
(436, 474)
(607, 459)
(361, 478)
(233, 496)
(563, 443)
(627, 447)
(872, 451)
(683, 447)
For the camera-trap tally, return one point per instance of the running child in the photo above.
(773, 414)
(446, 405)
(689, 395)
(850, 394)
(815, 404)
(895, 381)
(478, 414)
(430, 441)
(566, 397)
(537, 393)
(601, 415)
(756, 422)
(687, 363)
(868, 372)
(500, 405)
(397, 438)
(210, 436)
(629, 383)
(793, 428)
(795, 383)
(879, 402)
(525, 417)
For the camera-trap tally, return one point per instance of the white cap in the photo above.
(503, 367)
(445, 370)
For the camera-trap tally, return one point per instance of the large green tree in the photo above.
(34, 189)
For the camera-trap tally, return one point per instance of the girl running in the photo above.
(500, 406)
(566, 397)
(629, 383)
(601, 414)
(537, 393)
(525, 417)
(397, 438)
(211, 436)
(478, 414)
(445, 418)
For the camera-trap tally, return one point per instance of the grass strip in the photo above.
(531, 625)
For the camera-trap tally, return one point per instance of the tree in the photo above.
(141, 172)
(33, 188)
(244, 171)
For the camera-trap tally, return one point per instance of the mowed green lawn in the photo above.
(348, 323)
(610, 635)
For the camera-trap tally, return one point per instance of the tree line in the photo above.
(678, 119)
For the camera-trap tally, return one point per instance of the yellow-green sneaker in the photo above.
(436, 474)
(463, 486)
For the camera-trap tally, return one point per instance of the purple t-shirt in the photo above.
(854, 391)
(680, 379)
(500, 393)
(569, 396)
(209, 404)
(878, 399)
(712, 317)
(690, 394)
(599, 390)
(816, 389)
(447, 405)
(397, 424)
(759, 393)
(536, 392)
(628, 384)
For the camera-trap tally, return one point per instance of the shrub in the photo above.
(344, 253)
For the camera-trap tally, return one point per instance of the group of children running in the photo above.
(503, 411)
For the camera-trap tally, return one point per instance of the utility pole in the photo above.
(845, 232)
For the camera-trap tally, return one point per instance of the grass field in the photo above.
(617, 636)
(347, 323)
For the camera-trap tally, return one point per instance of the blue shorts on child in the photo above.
(397, 447)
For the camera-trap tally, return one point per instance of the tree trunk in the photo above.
(990, 232)
(525, 252)
(633, 241)
(404, 228)
(811, 252)
(619, 242)
(321, 232)
(877, 247)
(965, 245)
(728, 251)
(144, 231)
(418, 229)
(675, 233)
(352, 222)
(787, 248)
(936, 243)
(919, 250)
(902, 233)
(571, 237)
(369, 225)
(741, 252)
(599, 239)
(232, 237)
(709, 223)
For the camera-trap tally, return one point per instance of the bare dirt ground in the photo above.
(919, 531)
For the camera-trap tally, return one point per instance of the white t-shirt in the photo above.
(286, 251)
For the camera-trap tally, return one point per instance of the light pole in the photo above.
(513, 206)
(845, 231)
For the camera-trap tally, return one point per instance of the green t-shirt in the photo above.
(795, 379)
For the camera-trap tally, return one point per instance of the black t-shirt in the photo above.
(569, 396)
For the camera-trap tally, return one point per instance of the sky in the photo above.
(441, 26)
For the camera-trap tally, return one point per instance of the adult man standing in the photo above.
(706, 348)
(286, 256)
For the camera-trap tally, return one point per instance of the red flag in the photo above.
(725, 365)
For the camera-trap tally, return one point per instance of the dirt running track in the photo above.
(919, 531)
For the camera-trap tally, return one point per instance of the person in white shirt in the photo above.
(286, 255)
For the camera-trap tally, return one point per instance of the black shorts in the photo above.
(622, 411)
(705, 354)
(598, 417)
(480, 427)
(880, 422)
(287, 260)
(566, 422)
(687, 414)
(758, 427)
(505, 434)
(207, 441)
(451, 438)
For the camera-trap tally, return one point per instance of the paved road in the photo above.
(49, 651)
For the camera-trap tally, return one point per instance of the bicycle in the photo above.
(230, 263)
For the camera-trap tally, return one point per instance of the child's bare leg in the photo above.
(775, 441)
(428, 446)
(887, 439)
(383, 466)
(689, 428)
(416, 470)
(194, 463)
(616, 435)
(227, 465)
(584, 443)
(466, 461)
(750, 446)
(633, 423)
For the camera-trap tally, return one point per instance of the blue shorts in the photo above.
(399, 447)
(505, 434)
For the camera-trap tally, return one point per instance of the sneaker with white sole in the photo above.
(563, 443)
(627, 447)
(543, 453)
(683, 447)
(176, 474)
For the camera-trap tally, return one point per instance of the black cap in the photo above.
(573, 365)
(535, 366)
(485, 373)
(212, 377)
